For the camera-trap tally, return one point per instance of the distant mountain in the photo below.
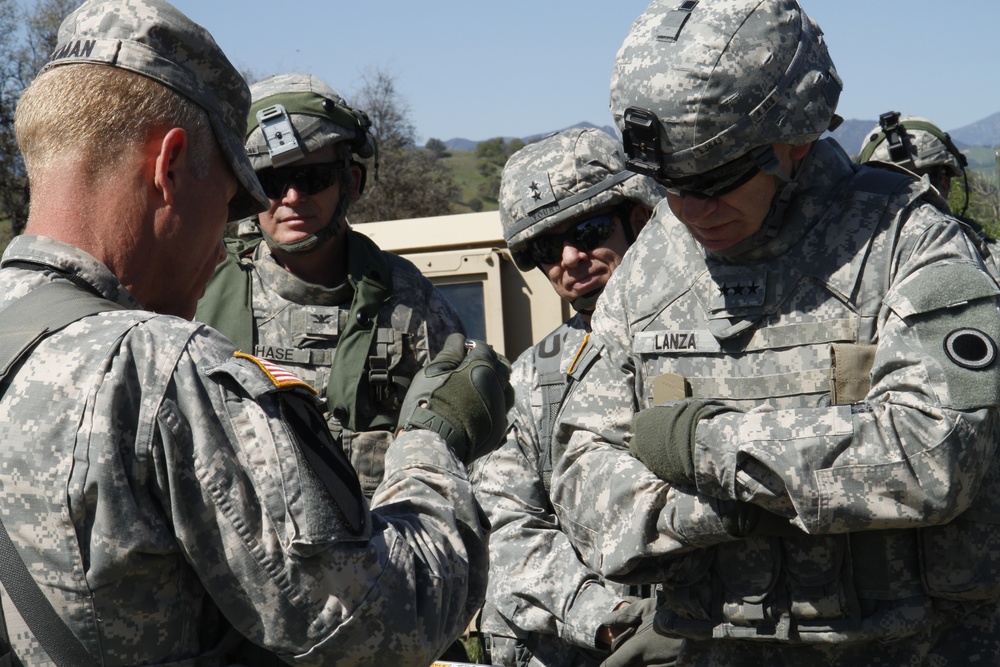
(851, 134)
(459, 144)
(985, 132)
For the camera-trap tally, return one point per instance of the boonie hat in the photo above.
(156, 40)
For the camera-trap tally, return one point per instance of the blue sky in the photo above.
(476, 69)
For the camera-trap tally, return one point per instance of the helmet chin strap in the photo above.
(305, 245)
(785, 187)
(315, 241)
(586, 303)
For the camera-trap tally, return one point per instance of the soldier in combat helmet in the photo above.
(317, 296)
(792, 424)
(570, 209)
(921, 147)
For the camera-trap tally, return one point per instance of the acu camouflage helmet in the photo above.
(697, 84)
(564, 176)
(317, 114)
(914, 143)
(293, 115)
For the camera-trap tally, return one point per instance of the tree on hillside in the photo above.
(492, 152)
(984, 200)
(412, 182)
(27, 37)
(492, 155)
(437, 148)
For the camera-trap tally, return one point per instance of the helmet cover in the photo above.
(924, 146)
(319, 116)
(719, 78)
(566, 175)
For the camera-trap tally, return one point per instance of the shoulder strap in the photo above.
(875, 273)
(227, 304)
(370, 275)
(43, 311)
(851, 363)
(547, 358)
(58, 641)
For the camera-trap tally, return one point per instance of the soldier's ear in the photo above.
(638, 216)
(799, 152)
(358, 178)
(168, 153)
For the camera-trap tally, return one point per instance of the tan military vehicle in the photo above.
(466, 257)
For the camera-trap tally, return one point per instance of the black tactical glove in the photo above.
(663, 437)
(741, 519)
(639, 644)
(463, 394)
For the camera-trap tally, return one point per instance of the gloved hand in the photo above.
(741, 519)
(663, 437)
(639, 644)
(463, 394)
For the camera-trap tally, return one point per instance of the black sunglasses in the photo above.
(584, 236)
(307, 178)
(715, 182)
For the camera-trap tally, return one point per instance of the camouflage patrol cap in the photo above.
(565, 176)
(713, 80)
(318, 114)
(154, 39)
(923, 146)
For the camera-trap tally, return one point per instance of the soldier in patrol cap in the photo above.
(570, 209)
(165, 496)
(316, 296)
(791, 425)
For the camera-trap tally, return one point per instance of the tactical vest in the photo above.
(546, 357)
(861, 586)
(361, 388)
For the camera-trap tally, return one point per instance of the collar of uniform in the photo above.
(66, 259)
(366, 262)
(291, 288)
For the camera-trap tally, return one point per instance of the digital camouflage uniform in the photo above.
(544, 606)
(161, 487)
(156, 474)
(299, 325)
(843, 509)
(387, 316)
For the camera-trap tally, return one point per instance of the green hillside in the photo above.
(464, 167)
(476, 191)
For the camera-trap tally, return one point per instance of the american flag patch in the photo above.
(281, 377)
